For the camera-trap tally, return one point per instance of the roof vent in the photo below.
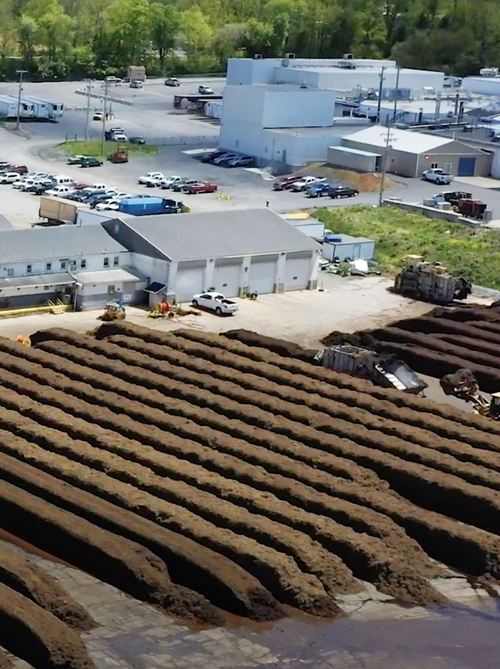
(289, 55)
(348, 56)
(257, 56)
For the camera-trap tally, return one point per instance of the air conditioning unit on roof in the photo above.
(348, 56)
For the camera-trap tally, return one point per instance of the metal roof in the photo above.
(65, 241)
(356, 152)
(399, 140)
(33, 280)
(217, 234)
(5, 224)
(108, 276)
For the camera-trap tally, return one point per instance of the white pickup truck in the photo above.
(215, 302)
(437, 176)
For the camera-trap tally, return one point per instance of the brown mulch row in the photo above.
(303, 370)
(22, 575)
(222, 581)
(461, 499)
(38, 637)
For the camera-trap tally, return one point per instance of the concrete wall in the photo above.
(482, 85)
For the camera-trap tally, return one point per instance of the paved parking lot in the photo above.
(177, 133)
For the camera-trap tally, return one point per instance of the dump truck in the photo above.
(428, 282)
(382, 370)
(119, 155)
(57, 212)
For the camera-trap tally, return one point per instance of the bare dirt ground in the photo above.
(303, 317)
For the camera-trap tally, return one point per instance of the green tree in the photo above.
(196, 35)
(164, 21)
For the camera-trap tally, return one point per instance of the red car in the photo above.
(81, 186)
(20, 169)
(200, 187)
(285, 182)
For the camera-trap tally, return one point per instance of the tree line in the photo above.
(68, 39)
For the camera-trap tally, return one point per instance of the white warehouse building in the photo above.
(282, 110)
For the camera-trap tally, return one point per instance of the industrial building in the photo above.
(140, 259)
(288, 111)
(83, 266)
(233, 252)
(410, 153)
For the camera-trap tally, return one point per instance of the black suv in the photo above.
(342, 191)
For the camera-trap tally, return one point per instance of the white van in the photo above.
(62, 180)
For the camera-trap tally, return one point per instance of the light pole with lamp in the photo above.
(384, 165)
(20, 73)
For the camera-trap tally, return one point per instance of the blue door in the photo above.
(466, 167)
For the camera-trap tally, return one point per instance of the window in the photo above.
(106, 262)
(434, 166)
(83, 263)
(116, 261)
(73, 265)
(111, 290)
(10, 272)
(63, 264)
(48, 267)
(28, 269)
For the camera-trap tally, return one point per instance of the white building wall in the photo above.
(481, 85)
(153, 268)
(241, 71)
(296, 150)
(93, 263)
(242, 138)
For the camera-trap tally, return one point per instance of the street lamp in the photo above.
(20, 73)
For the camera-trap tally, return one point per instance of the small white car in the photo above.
(151, 178)
(168, 182)
(60, 191)
(9, 177)
(225, 157)
(119, 137)
(205, 90)
(437, 176)
(215, 302)
(302, 184)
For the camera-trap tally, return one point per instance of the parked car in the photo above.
(240, 161)
(285, 182)
(205, 90)
(215, 302)
(80, 186)
(168, 182)
(113, 80)
(136, 84)
(25, 184)
(437, 176)
(119, 137)
(59, 191)
(20, 169)
(90, 161)
(180, 185)
(304, 183)
(98, 116)
(42, 187)
(151, 178)
(137, 140)
(220, 160)
(172, 81)
(75, 160)
(342, 191)
(200, 187)
(318, 189)
(210, 157)
(17, 184)
(9, 177)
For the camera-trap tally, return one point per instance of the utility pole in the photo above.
(106, 84)
(396, 93)
(384, 166)
(20, 73)
(380, 93)
(87, 124)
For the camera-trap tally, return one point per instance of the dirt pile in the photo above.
(241, 475)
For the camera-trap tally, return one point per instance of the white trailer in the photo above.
(44, 109)
(27, 108)
(8, 107)
(57, 211)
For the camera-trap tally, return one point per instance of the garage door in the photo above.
(227, 276)
(190, 279)
(466, 167)
(297, 270)
(262, 274)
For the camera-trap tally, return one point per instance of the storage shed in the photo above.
(345, 247)
(410, 153)
(353, 159)
(233, 252)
